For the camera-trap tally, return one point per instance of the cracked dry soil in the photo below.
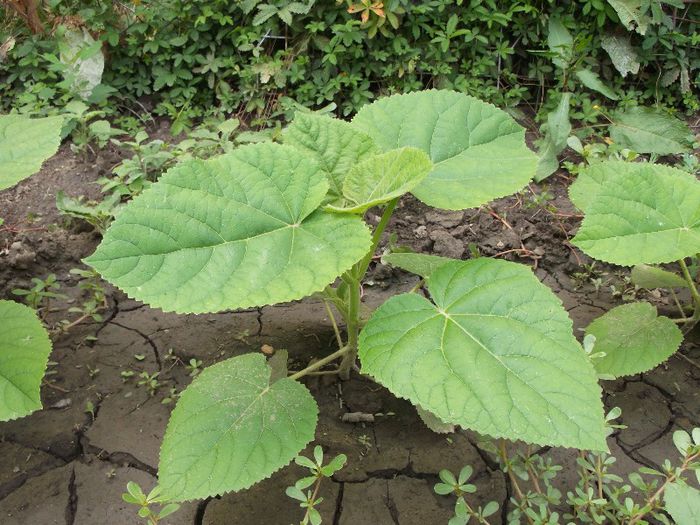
(68, 465)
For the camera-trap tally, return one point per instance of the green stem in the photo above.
(320, 363)
(694, 294)
(353, 278)
(362, 266)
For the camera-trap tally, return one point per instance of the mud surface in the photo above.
(69, 463)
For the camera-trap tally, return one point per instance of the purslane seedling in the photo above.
(24, 343)
(493, 350)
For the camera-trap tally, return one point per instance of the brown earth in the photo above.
(67, 464)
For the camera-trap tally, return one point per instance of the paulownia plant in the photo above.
(491, 350)
(24, 343)
(641, 215)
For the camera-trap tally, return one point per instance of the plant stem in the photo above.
(353, 329)
(670, 479)
(694, 294)
(320, 363)
(354, 280)
(503, 453)
(313, 498)
(362, 266)
(335, 325)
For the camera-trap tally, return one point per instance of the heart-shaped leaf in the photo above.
(382, 178)
(494, 353)
(235, 231)
(24, 351)
(639, 214)
(478, 151)
(634, 339)
(232, 428)
(25, 144)
(333, 143)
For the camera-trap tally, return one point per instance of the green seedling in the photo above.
(150, 382)
(38, 296)
(310, 499)
(135, 496)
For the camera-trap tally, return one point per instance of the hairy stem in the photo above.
(362, 266)
(694, 294)
(320, 363)
(338, 338)
(313, 498)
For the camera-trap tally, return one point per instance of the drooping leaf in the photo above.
(433, 422)
(592, 81)
(683, 503)
(335, 144)
(557, 133)
(651, 277)
(631, 16)
(278, 365)
(418, 263)
(25, 144)
(634, 339)
(641, 215)
(24, 351)
(382, 178)
(623, 55)
(232, 428)
(494, 353)
(235, 231)
(478, 151)
(560, 42)
(650, 130)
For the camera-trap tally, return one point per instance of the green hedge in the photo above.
(250, 55)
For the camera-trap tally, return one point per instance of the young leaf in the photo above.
(650, 130)
(592, 81)
(335, 144)
(232, 428)
(642, 215)
(382, 178)
(234, 231)
(634, 339)
(478, 151)
(683, 503)
(494, 353)
(558, 130)
(418, 263)
(651, 277)
(433, 422)
(24, 352)
(25, 144)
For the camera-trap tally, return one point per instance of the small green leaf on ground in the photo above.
(634, 339)
(24, 352)
(232, 428)
(651, 277)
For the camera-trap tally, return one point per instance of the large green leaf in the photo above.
(623, 55)
(650, 130)
(651, 277)
(591, 80)
(560, 42)
(641, 215)
(586, 186)
(478, 151)
(334, 143)
(382, 178)
(232, 428)
(24, 351)
(419, 263)
(25, 144)
(495, 353)
(683, 503)
(631, 16)
(235, 231)
(634, 339)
